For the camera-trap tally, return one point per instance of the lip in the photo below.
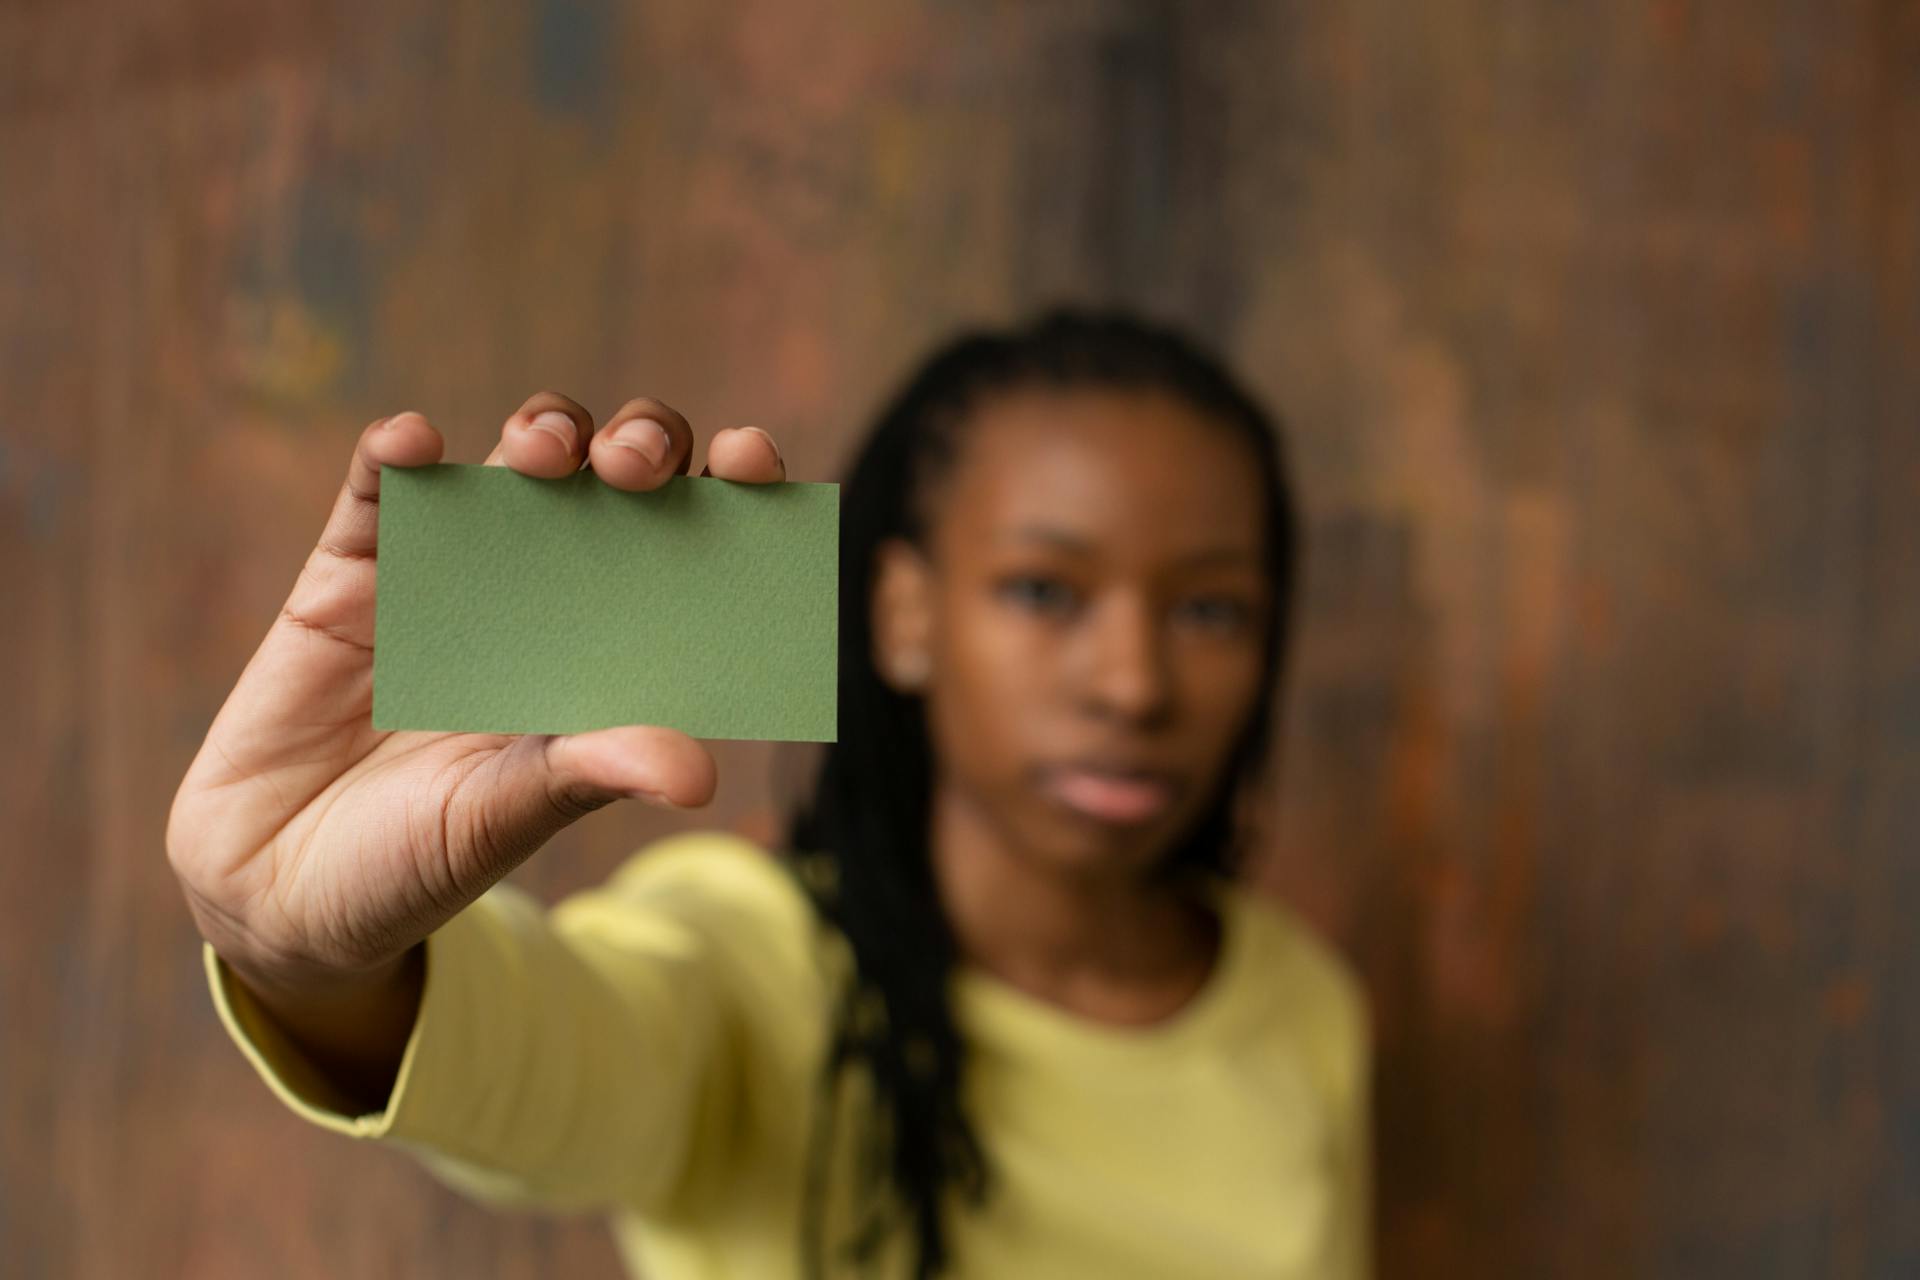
(1109, 792)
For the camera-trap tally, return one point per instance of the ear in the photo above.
(902, 615)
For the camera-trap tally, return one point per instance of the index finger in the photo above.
(404, 440)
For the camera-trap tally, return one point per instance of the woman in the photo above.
(1003, 1012)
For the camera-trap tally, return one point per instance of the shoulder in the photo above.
(1309, 987)
(1285, 940)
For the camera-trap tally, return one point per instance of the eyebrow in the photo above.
(1068, 542)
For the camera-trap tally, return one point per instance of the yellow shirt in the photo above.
(649, 1049)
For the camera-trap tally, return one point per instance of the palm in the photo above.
(408, 832)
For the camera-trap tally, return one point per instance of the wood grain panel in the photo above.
(1597, 327)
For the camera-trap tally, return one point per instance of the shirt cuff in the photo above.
(424, 1104)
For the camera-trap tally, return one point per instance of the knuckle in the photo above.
(651, 407)
(550, 399)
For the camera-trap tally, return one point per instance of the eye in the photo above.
(1038, 594)
(1216, 613)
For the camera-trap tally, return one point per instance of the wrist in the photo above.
(313, 983)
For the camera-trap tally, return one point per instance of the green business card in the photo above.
(510, 604)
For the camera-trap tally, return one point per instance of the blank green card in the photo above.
(509, 604)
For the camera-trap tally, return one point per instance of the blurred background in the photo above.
(1597, 328)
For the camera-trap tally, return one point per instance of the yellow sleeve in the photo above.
(560, 1060)
(1356, 1146)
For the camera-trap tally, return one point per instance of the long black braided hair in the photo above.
(861, 838)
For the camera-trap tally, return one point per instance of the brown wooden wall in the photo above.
(1598, 326)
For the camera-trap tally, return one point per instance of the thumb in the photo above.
(577, 773)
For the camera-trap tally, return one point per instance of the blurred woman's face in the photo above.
(1092, 612)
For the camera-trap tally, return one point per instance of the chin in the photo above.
(1068, 844)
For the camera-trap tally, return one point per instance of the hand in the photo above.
(314, 849)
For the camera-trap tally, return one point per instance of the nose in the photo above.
(1127, 671)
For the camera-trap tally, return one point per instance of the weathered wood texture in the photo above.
(1598, 326)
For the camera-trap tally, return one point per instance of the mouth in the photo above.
(1116, 796)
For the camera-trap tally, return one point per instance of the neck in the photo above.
(1110, 943)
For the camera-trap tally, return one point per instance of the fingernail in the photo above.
(645, 437)
(558, 425)
(654, 797)
(775, 443)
